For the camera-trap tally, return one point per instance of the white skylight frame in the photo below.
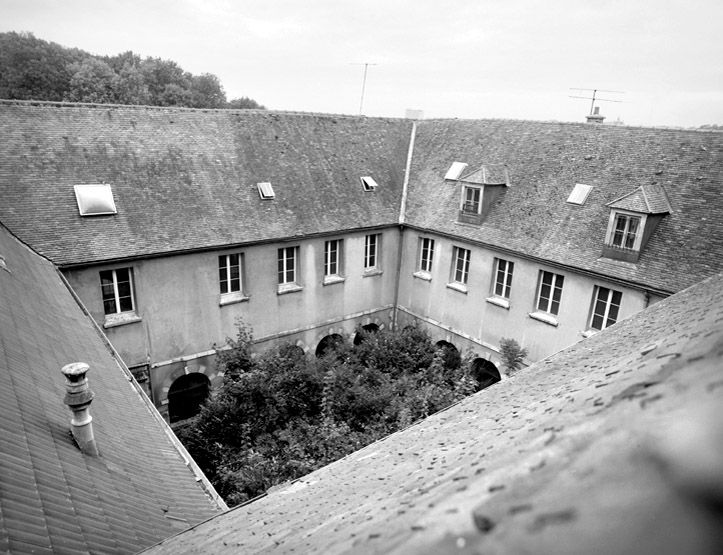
(266, 191)
(95, 199)
(368, 183)
(579, 194)
(455, 170)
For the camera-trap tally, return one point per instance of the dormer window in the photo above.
(480, 189)
(633, 218)
(471, 200)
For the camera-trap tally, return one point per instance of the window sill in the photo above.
(544, 317)
(330, 280)
(588, 333)
(120, 319)
(369, 272)
(232, 298)
(285, 288)
(461, 287)
(421, 274)
(499, 301)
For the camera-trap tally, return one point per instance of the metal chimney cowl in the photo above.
(78, 397)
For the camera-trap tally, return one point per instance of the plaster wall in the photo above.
(470, 315)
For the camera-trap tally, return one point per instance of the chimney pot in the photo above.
(78, 397)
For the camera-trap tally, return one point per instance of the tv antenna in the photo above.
(364, 82)
(594, 97)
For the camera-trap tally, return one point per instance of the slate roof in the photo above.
(54, 499)
(187, 179)
(613, 445)
(545, 160)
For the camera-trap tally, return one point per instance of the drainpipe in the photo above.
(402, 213)
(78, 397)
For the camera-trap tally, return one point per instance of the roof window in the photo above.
(266, 191)
(95, 200)
(579, 194)
(368, 183)
(455, 170)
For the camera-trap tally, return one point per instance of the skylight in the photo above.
(579, 194)
(95, 200)
(455, 170)
(368, 183)
(266, 191)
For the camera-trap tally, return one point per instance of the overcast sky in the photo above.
(464, 59)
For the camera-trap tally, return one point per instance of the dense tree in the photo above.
(34, 69)
(280, 414)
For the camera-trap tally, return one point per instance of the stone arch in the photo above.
(186, 395)
(327, 343)
(364, 331)
(452, 358)
(485, 372)
(292, 351)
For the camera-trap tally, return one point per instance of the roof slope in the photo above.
(186, 179)
(545, 160)
(52, 497)
(607, 446)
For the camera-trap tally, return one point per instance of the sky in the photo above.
(451, 59)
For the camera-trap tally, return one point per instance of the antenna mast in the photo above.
(593, 97)
(364, 83)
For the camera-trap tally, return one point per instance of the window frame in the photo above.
(372, 252)
(553, 285)
(506, 274)
(609, 304)
(333, 261)
(426, 255)
(231, 295)
(613, 233)
(459, 274)
(471, 207)
(118, 316)
(284, 270)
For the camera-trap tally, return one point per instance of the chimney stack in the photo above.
(78, 397)
(595, 117)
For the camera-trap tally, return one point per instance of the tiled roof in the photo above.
(648, 199)
(613, 445)
(187, 179)
(54, 499)
(546, 159)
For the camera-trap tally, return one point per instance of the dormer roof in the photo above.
(487, 174)
(647, 199)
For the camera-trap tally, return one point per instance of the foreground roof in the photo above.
(187, 179)
(613, 445)
(544, 162)
(53, 498)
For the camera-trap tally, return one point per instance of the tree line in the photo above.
(34, 69)
(280, 414)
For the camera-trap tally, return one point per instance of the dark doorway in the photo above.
(484, 372)
(186, 395)
(328, 344)
(452, 358)
(364, 332)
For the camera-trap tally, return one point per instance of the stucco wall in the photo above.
(469, 314)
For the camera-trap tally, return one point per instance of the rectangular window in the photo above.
(371, 252)
(426, 254)
(229, 273)
(471, 200)
(503, 279)
(332, 257)
(460, 265)
(288, 263)
(625, 231)
(117, 289)
(550, 292)
(606, 305)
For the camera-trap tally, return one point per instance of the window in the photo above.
(266, 191)
(229, 273)
(94, 200)
(288, 270)
(371, 252)
(579, 194)
(455, 170)
(550, 292)
(368, 183)
(471, 200)
(117, 289)
(625, 231)
(333, 251)
(426, 254)
(606, 304)
(503, 279)
(460, 265)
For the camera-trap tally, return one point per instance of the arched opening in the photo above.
(328, 344)
(290, 351)
(186, 395)
(452, 358)
(364, 332)
(484, 372)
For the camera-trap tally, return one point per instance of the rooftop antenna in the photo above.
(594, 97)
(364, 82)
